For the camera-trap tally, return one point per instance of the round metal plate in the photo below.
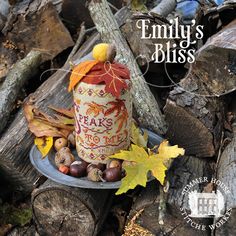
(48, 168)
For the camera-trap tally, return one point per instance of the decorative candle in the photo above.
(103, 106)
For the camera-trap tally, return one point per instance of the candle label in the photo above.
(102, 122)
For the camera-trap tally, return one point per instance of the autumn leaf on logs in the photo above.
(40, 129)
(44, 145)
(41, 124)
(69, 113)
(137, 174)
(64, 120)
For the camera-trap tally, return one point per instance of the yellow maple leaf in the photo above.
(166, 152)
(135, 175)
(136, 154)
(137, 137)
(144, 162)
(44, 144)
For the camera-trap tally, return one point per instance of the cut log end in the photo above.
(188, 132)
(72, 211)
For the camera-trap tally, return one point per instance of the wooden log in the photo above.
(17, 140)
(194, 122)
(62, 210)
(143, 49)
(215, 62)
(75, 12)
(195, 109)
(226, 174)
(146, 106)
(182, 171)
(40, 20)
(164, 8)
(4, 9)
(21, 73)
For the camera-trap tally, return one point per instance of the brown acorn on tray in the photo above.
(66, 164)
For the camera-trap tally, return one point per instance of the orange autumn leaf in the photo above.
(94, 109)
(122, 120)
(41, 124)
(80, 71)
(116, 106)
(114, 75)
(65, 112)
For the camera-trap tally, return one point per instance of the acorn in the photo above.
(99, 166)
(76, 163)
(95, 175)
(60, 143)
(112, 163)
(71, 139)
(64, 169)
(78, 170)
(64, 156)
(112, 174)
(80, 162)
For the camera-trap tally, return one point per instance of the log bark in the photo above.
(182, 171)
(215, 63)
(144, 102)
(4, 9)
(18, 76)
(40, 20)
(143, 49)
(226, 174)
(195, 109)
(17, 140)
(164, 8)
(72, 211)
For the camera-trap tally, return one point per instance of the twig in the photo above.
(89, 30)
(78, 43)
(162, 206)
(113, 7)
(222, 142)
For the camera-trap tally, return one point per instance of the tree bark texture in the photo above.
(17, 77)
(144, 102)
(195, 108)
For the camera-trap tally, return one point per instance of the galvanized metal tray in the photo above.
(48, 168)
